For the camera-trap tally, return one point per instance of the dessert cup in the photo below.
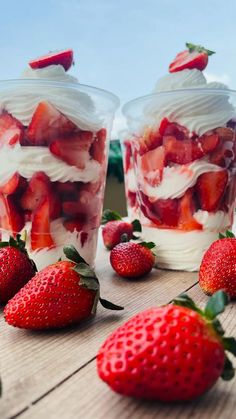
(183, 145)
(53, 158)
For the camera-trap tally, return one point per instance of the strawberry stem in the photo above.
(192, 47)
(228, 235)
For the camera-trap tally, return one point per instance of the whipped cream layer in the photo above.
(176, 179)
(22, 100)
(179, 250)
(130, 180)
(28, 160)
(196, 110)
(213, 221)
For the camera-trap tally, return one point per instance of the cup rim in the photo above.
(114, 99)
(126, 107)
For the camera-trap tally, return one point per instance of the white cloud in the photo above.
(222, 78)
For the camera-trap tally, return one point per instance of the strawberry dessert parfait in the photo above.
(183, 143)
(53, 158)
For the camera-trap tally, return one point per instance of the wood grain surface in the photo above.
(54, 373)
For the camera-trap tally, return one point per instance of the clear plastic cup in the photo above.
(54, 139)
(184, 150)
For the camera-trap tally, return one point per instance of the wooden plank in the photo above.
(85, 396)
(33, 363)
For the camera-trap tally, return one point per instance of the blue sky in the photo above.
(120, 45)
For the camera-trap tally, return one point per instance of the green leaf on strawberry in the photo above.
(109, 215)
(192, 47)
(216, 304)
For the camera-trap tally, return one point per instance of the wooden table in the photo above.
(53, 375)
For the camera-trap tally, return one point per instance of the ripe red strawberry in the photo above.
(116, 230)
(97, 149)
(15, 268)
(195, 56)
(170, 353)
(60, 295)
(75, 150)
(11, 216)
(48, 123)
(218, 267)
(40, 230)
(210, 189)
(132, 260)
(64, 58)
(11, 130)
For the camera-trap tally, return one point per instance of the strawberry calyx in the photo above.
(192, 47)
(109, 215)
(228, 235)
(88, 278)
(19, 244)
(215, 305)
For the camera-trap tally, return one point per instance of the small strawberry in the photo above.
(132, 260)
(195, 56)
(64, 58)
(170, 353)
(115, 229)
(16, 269)
(218, 267)
(60, 295)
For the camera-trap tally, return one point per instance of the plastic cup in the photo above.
(54, 139)
(184, 150)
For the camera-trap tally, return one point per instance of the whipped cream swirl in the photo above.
(197, 110)
(78, 106)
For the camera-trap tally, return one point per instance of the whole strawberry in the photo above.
(218, 267)
(170, 353)
(195, 56)
(116, 230)
(16, 268)
(132, 260)
(60, 295)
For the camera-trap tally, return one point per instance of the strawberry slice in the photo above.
(168, 211)
(11, 217)
(208, 143)
(47, 123)
(182, 152)
(64, 58)
(187, 208)
(128, 155)
(172, 128)
(75, 150)
(40, 230)
(11, 185)
(195, 56)
(38, 189)
(11, 130)
(153, 160)
(97, 149)
(150, 140)
(210, 188)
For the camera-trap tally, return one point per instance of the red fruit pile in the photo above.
(170, 353)
(38, 199)
(171, 144)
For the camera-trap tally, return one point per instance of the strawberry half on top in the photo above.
(64, 58)
(171, 353)
(116, 230)
(60, 295)
(218, 267)
(195, 56)
(16, 268)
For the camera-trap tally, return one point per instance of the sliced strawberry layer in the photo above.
(132, 199)
(98, 146)
(187, 208)
(168, 211)
(11, 130)
(64, 58)
(85, 209)
(11, 216)
(48, 123)
(210, 189)
(128, 155)
(40, 229)
(38, 189)
(75, 150)
(11, 186)
(149, 141)
(72, 225)
(190, 60)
